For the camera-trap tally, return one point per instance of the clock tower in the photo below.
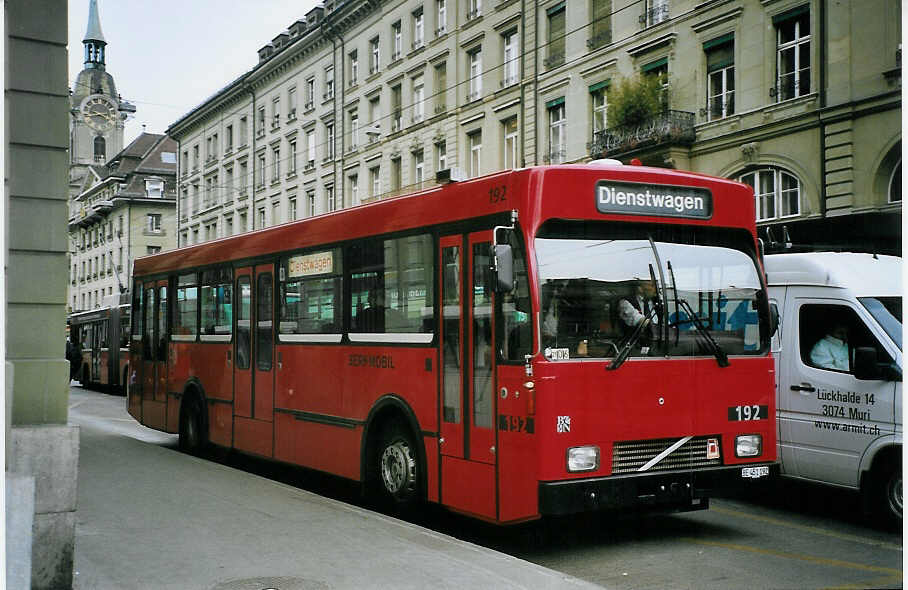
(97, 115)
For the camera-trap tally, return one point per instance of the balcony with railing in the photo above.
(669, 129)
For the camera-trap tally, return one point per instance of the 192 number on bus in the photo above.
(746, 413)
(496, 194)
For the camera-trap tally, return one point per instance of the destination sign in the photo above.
(653, 199)
(310, 264)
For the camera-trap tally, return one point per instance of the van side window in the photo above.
(828, 335)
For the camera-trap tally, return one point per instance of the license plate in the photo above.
(755, 472)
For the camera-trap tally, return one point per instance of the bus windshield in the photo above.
(609, 291)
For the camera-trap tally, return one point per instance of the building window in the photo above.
(329, 141)
(441, 17)
(374, 181)
(555, 39)
(261, 213)
(154, 188)
(228, 184)
(275, 165)
(475, 60)
(374, 123)
(260, 122)
(418, 167)
(720, 71)
(654, 12)
(474, 142)
(441, 85)
(792, 53)
(474, 9)
(395, 175)
(228, 226)
(354, 68)
(557, 131)
(396, 42)
(418, 29)
(354, 129)
(329, 83)
(419, 109)
(395, 108)
(374, 56)
(330, 200)
(100, 149)
(511, 59)
(510, 143)
(777, 193)
(291, 104)
(291, 209)
(659, 68)
(244, 177)
(310, 93)
(601, 19)
(228, 139)
(244, 130)
(153, 223)
(310, 149)
(599, 104)
(291, 158)
(275, 113)
(441, 155)
(310, 203)
(261, 181)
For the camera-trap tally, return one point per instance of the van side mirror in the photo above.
(503, 268)
(773, 320)
(867, 366)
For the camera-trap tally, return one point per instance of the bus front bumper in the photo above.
(671, 490)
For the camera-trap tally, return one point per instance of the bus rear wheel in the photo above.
(398, 467)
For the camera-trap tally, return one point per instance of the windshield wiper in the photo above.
(714, 347)
(671, 273)
(641, 328)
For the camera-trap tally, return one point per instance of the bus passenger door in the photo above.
(154, 355)
(254, 361)
(242, 371)
(468, 404)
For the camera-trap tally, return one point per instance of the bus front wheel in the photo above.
(398, 467)
(191, 437)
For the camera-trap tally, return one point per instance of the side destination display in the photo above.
(653, 199)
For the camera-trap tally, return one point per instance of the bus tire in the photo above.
(192, 434)
(398, 469)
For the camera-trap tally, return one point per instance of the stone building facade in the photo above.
(363, 99)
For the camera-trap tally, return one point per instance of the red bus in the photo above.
(533, 342)
(103, 338)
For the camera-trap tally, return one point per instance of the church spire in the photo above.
(94, 41)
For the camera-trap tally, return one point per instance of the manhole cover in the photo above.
(272, 584)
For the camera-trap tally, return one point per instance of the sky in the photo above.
(168, 56)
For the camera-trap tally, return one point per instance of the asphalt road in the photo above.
(794, 536)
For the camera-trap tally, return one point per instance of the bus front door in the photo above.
(154, 355)
(468, 402)
(253, 403)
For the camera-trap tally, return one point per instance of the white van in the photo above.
(838, 354)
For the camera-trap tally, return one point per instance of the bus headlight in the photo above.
(583, 459)
(749, 445)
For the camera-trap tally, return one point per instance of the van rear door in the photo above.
(828, 418)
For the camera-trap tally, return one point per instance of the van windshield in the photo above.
(887, 311)
(698, 290)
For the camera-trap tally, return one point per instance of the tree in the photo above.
(634, 101)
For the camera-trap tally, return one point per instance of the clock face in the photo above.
(99, 113)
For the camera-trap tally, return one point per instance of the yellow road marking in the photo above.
(809, 529)
(808, 558)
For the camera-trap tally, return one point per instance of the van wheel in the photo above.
(191, 437)
(889, 495)
(398, 467)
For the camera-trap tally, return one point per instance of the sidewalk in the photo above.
(150, 517)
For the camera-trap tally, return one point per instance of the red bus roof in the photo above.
(538, 194)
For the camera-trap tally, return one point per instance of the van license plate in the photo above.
(755, 472)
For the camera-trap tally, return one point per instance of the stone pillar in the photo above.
(42, 450)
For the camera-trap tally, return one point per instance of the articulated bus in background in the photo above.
(103, 336)
(534, 342)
